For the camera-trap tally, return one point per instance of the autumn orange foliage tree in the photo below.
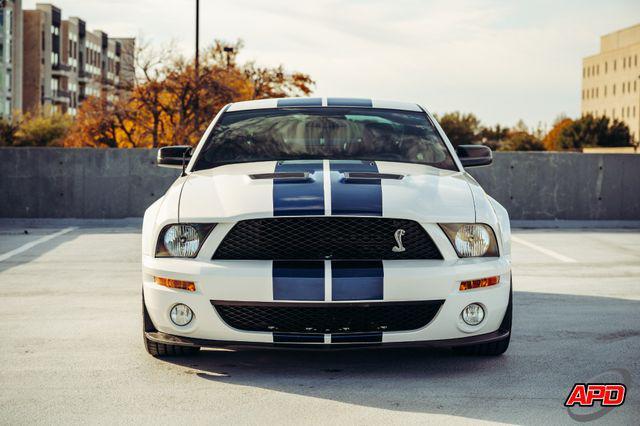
(552, 140)
(162, 106)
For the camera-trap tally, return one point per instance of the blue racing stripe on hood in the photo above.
(355, 197)
(302, 197)
(357, 280)
(298, 280)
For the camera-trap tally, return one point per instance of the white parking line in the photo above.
(560, 257)
(32, 244)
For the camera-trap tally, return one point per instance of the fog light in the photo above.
(473, 314)
(181, 315)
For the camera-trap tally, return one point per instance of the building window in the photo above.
(605, 67)
(624, 63)
(605, 91)
(615, 63)
(614, 90)
(623, 86)
(597, 92)
(635, 61)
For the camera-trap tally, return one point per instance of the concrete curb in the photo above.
(135, 222)
(576, 224)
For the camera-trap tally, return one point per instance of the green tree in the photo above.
(43, 130)
(494, 137)
(594, 131)
(462, 129)
(522, 141)
(618, 135)
(8, 132)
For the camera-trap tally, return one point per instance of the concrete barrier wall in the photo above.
(112, 183)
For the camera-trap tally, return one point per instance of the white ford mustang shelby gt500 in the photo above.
(328, 223)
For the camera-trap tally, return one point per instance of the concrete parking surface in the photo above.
(72, 347)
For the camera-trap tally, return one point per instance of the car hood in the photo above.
(228, 193)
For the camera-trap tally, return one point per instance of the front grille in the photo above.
(327, 317)
(319, 238)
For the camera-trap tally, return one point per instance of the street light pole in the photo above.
(197, 68)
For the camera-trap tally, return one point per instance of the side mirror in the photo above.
(174, 156)
(474, 155)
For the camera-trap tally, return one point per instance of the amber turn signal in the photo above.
(168, 282)
(482, 282)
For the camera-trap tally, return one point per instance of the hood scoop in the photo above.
(283, 176)
(367, 176)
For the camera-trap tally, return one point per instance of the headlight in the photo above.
(471, 239)
(182, 240)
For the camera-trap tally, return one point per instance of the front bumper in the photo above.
(170, 339)
(251, 281)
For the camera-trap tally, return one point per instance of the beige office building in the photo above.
(611, 79)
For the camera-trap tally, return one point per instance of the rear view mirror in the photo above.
(474, 155)
(174, 156)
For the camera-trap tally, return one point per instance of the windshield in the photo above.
(324, 133)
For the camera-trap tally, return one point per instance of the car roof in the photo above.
(322, 102)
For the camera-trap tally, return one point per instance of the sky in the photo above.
(502, 60)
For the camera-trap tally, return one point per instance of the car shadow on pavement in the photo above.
(558, 340)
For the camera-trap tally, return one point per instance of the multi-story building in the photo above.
(611, 79)
(10, 58)
(65, 63)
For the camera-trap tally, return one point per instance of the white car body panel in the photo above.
(226, 194)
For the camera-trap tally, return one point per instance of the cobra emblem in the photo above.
(399, 248)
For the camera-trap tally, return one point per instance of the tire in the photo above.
(160, 350)
(493, 348)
